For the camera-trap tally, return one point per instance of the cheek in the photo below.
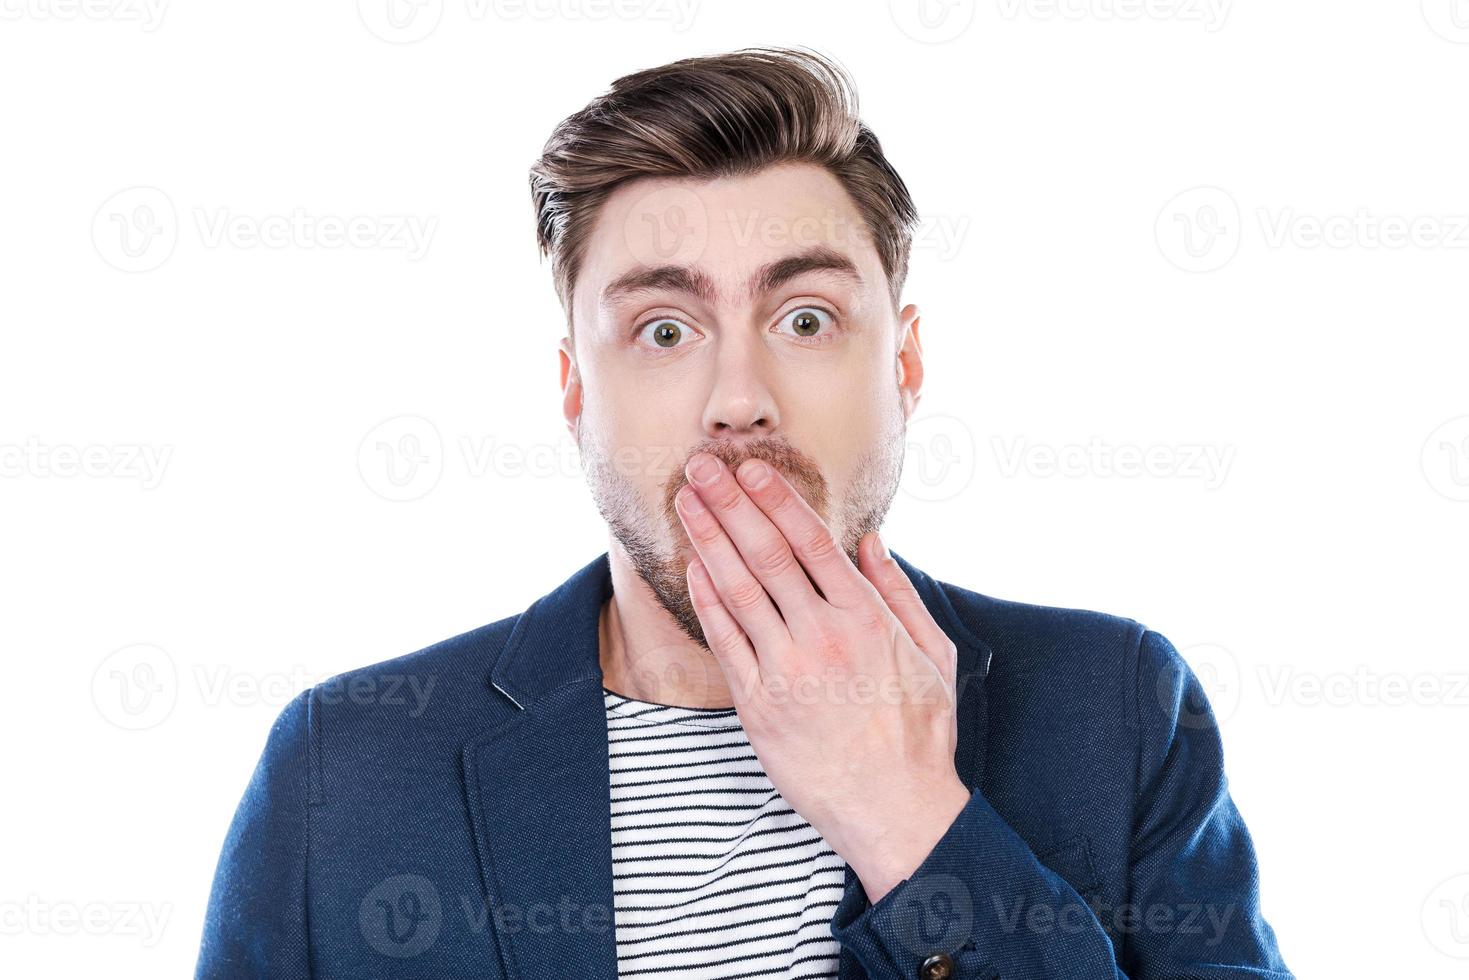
(644, 438)
(845, 429)
(846, 405)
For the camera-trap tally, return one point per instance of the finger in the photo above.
(765, 550)
(883, 571)
(726, 641)
(740, 591)
(807, 535)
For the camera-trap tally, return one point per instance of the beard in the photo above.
(653, 537)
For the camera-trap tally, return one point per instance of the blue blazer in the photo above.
(447, 814)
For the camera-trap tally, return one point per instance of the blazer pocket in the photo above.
(1072, 860)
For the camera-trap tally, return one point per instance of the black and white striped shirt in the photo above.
(714, 876)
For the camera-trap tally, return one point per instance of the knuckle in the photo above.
(773, 557)
(724, 496)
(818, 544)
(828, 647)
(781, 500)
(745, 594)
(727, 637)
(703, 600)
(706, 533)
(875, 622)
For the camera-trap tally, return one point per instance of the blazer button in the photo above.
(939, 966)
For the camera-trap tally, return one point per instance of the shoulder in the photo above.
(1031, 635)
(393, 708)
(445, 681)
(458, 661)
(1070, 659)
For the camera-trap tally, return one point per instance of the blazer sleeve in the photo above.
(255, 925)
(982, 899)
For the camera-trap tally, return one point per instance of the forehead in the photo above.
(726, 227)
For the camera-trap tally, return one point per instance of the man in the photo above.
(748, 740)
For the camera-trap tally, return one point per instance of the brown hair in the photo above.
(716, 116)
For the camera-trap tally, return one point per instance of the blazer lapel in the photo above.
(539, 793)
(538, 789)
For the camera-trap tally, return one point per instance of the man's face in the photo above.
(743, 316)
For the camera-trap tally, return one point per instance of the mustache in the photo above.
(799, 469)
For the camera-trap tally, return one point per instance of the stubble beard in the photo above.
(647, 540)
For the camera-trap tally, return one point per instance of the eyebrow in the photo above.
(695, 282)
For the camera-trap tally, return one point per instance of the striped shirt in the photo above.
(714, 876)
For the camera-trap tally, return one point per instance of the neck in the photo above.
(643, 652)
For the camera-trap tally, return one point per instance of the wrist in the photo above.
(889, 849)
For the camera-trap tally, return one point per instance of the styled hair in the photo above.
(718, 116)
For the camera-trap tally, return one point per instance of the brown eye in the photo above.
(808, 321)
(668, 333)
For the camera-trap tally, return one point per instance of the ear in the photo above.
(571, 389)
(910, 359)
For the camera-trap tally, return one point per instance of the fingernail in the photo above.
(753, 474)
(691, 502)
(703, 469)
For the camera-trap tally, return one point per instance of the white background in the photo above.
(1301, 318)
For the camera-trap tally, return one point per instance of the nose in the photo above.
(742, 402)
